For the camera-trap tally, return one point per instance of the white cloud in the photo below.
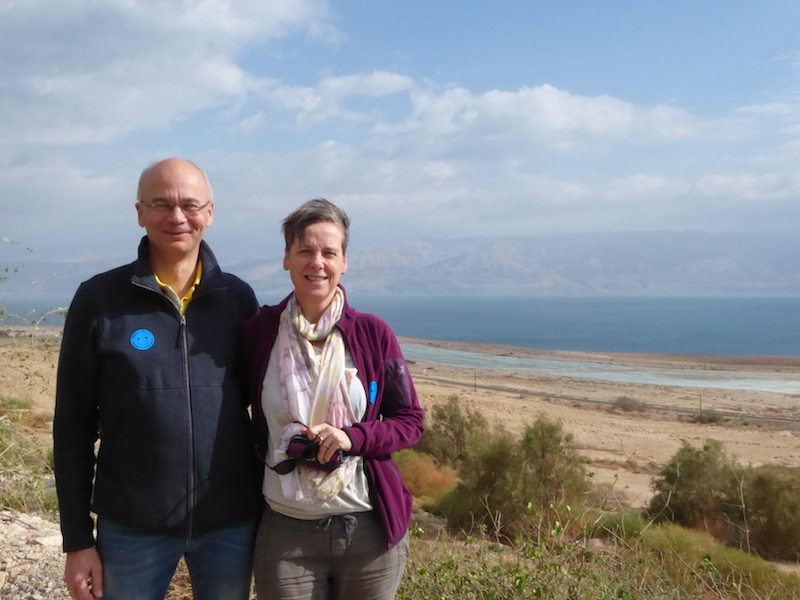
(440, 171)
(748, 187)
(377, 83)
(326, 101)
(539, 119)
(250, 124)
(406, 156)
(638, 187)
(139, 65)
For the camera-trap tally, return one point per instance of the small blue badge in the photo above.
(142, 339)
(373, 391)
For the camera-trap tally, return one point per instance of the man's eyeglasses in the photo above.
(188, 207)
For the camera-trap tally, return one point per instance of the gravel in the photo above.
(31, 560)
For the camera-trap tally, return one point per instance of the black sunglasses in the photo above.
(288, 465)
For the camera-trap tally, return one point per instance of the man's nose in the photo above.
(176, 214)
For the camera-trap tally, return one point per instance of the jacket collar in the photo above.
(143, 271)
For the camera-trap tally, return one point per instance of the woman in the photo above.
(336, 520)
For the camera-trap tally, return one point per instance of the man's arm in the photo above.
(75, 426)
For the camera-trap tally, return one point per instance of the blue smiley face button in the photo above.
(142, 339)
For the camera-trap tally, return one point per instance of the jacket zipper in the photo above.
(184, 340)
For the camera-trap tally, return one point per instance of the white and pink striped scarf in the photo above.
(315, 389)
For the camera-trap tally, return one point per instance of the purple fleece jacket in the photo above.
(394, 418)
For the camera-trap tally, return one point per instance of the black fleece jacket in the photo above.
(164, 394)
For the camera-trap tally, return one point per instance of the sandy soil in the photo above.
(623, 449)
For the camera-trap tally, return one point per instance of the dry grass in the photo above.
(426, 481)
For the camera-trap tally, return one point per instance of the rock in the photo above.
(50, 540)
(31, 560)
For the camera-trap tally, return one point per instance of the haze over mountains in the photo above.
(656, 262)
(638, 262)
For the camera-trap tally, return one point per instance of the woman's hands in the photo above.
(330, 439)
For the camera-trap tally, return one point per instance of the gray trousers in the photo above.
(336, 558)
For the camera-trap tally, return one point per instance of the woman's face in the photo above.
(315, 266)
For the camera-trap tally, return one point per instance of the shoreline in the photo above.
(692, 361)
(696, 361)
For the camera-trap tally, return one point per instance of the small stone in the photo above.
(50, 540)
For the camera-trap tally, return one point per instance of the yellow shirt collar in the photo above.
(182, 303)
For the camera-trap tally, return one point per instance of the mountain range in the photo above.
(656, 262)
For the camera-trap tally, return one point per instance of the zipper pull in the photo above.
(181, 331)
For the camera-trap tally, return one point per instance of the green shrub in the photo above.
(771, 496)
(708, 417)
(452, 433)
(622, 525)
(756, 509)
(513, 488)
(552, 465)
(695, 488)
(628, 404)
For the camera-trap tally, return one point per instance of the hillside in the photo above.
(656, 262)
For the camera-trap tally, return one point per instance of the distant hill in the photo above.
(668, 262)
(634, 262)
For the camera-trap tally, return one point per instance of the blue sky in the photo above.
(422, 119)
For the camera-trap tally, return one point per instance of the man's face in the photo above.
(174, 235)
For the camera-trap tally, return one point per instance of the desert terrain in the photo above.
(624, 449)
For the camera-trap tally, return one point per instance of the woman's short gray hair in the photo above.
(317, 210)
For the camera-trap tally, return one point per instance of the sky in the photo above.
(421, 119)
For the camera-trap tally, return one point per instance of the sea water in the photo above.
(723, 325)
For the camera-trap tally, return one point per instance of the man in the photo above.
(148, 365)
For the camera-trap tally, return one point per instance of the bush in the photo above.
(622, 525)
(695, 488)
(708, 417)
(514, 488)
(423, 478)
(757, 509)
(452, 433)
(771, 499)
(628, 404)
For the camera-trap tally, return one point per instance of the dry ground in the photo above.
(623, 449)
